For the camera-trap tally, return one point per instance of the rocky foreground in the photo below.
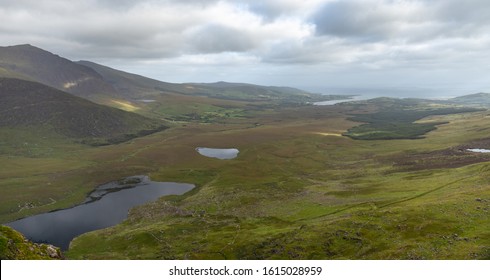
(14, 246)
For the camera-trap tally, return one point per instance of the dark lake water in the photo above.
(218, 153)
(106, 206)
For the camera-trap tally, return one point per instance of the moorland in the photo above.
(384, 178)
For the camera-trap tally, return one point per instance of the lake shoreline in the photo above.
(107, 205)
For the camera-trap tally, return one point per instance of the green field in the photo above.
(299, 189)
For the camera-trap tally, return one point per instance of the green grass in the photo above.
(399, 122)
(14, 246)
(282, 202)
(297, 190)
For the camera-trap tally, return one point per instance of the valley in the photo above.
(369, 179)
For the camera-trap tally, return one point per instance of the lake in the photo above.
(218, 153)
(478, 150)
(337, 101)
(106, 206)
(331, 102)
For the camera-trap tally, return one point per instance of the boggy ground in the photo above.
(297, 190)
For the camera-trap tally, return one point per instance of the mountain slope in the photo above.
(191, 101)
(30, 104)
(148, 97)
(136, 86)
(477, 99)
(133, 86)
(29, 62)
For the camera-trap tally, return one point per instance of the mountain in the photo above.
(136, 87)
(132, 86)
(250, 92)
(477, 99)
(87, 79)
(31, 104)
(32, 63)
(152, 98)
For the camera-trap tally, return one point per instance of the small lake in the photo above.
(218, 153)
(331, 102)
(106, 206)
(478, 150)
(337, 101)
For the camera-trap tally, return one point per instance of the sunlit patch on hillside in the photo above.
(71, 84)
(125, 105)
(68, 85)
(328, 134)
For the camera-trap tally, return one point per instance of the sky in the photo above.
(419, 48)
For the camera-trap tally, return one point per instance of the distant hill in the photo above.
(477, 99)
(31, 104)
(135, 87)
(250, 92)
(85, 78)
(32, 63)
(145, 96)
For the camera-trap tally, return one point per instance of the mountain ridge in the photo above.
(103, 84)
(26, 104)
(32, 63)
(480, 99)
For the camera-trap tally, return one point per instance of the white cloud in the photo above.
(280, 37)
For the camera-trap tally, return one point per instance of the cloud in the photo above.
(215, 38)
(398, 33)
(369, 20)
(331, 36)
(389, 20)
(272, 9)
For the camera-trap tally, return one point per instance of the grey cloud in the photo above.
(132, 3)
(311, 51)
(474, 11)
(412, 21)
(267, 10)
(465, 19)
(201, 2)
(128, 40)
(357, 36)
(294, 53)
(119, 5)
(271, 10)
(215, 38)
(93, 29)
(354, 19)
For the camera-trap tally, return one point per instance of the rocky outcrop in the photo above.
(14, 246)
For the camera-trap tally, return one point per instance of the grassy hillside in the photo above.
(26, 61)
(132, 86)
(14, 246)
(26, 104)
(397, 119)
(158, 99)
(297, 190)
(300, 190)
